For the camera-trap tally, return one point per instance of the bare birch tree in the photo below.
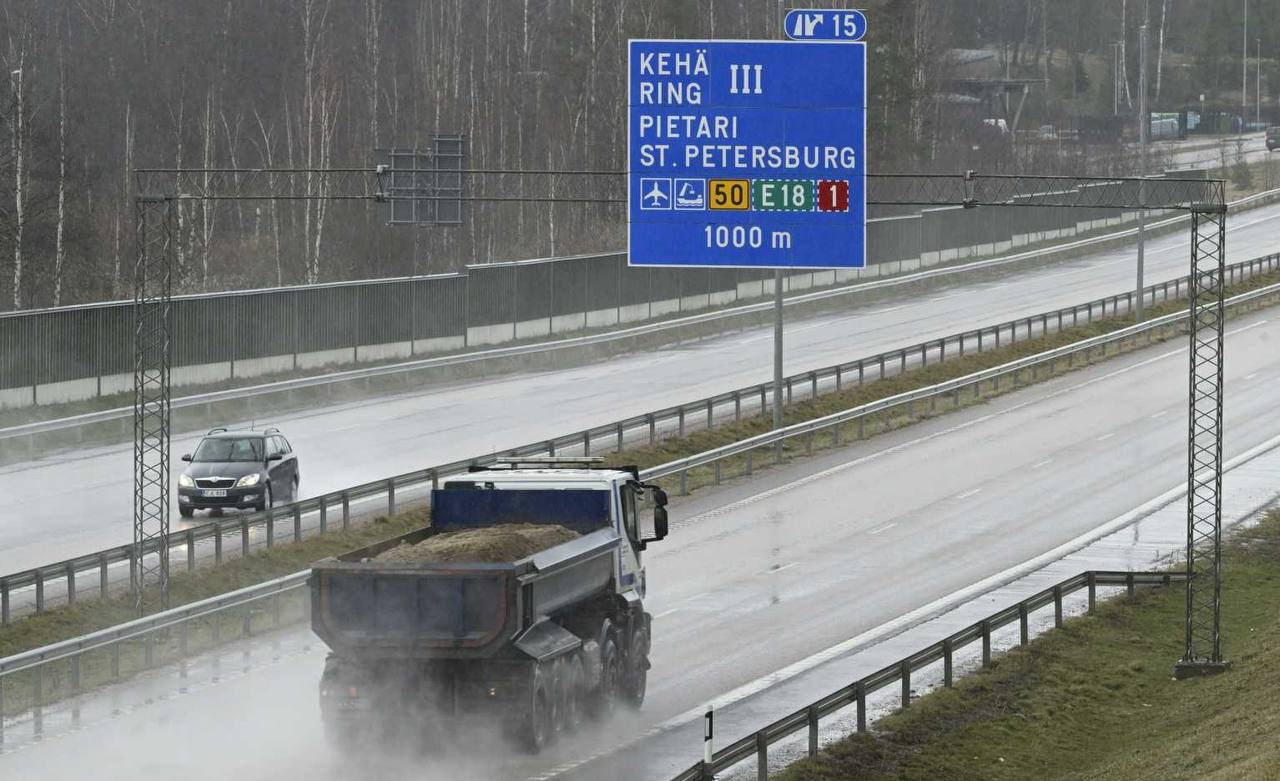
(60, 245)
(1164, 14)
(18, 62)
(266, 152)
(207, 208)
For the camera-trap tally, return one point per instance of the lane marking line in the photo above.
(903, 446)
(1043, 463)
(884, 528)
(1105, 436)
(967, 494)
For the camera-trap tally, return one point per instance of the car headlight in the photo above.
(248, 480)
(185, 481)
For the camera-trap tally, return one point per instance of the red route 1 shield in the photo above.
(833, 195)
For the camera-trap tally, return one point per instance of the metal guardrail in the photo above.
(151, 632)
(369, 373)
(856, 694)
(907, 400)
(389, 493)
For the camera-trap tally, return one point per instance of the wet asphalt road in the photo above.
(755, 577)
(80, 501)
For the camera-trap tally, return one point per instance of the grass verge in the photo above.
(89, 615)
(1096, 699)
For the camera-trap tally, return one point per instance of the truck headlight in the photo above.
(185, 481)
(248, 480)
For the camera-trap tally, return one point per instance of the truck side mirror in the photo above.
(659, 497)
(660, 523)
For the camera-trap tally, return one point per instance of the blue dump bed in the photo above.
(422, 610)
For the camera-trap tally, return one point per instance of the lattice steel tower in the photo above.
(1203, 650)
(152, 335)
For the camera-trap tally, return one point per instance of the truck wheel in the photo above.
(602, 704)
(573, 679)
(636, 679)
(538, 723)
(345, 740)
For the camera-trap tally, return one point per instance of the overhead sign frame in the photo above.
(752, 157)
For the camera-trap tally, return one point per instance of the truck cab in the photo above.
(637, 511)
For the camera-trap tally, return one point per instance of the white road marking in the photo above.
(666, 613)
(884, 528)
(1043, 463)
(1249, 327)
(1106, 436)
(1250, 376)
(1160, 414)
(969, 493)
(837, 469)
(886, 311)
(907, 620)
(776, 570)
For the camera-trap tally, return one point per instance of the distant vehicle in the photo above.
(240, 470)
(1273, 138)
(998, 124)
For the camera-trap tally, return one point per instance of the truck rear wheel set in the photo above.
(559, 699)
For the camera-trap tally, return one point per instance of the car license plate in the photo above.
(214, 493)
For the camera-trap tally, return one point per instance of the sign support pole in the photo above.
(1144, 125)
(777, 354)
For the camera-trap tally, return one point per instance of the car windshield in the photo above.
(229, 449)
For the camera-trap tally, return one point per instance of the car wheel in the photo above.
(267, 500)
(293, 489)
(186, 512)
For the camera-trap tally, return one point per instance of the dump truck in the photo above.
(424, 638)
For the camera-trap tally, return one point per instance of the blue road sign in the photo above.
(747, 154)
(824, 24)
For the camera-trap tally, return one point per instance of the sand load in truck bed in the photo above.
(485, 545)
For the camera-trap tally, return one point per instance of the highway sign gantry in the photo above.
(747, 154)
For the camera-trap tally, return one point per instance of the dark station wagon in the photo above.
(247, 470)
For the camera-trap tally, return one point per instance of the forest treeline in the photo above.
(97, 88)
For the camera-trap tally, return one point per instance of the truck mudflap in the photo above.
(547, 640)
